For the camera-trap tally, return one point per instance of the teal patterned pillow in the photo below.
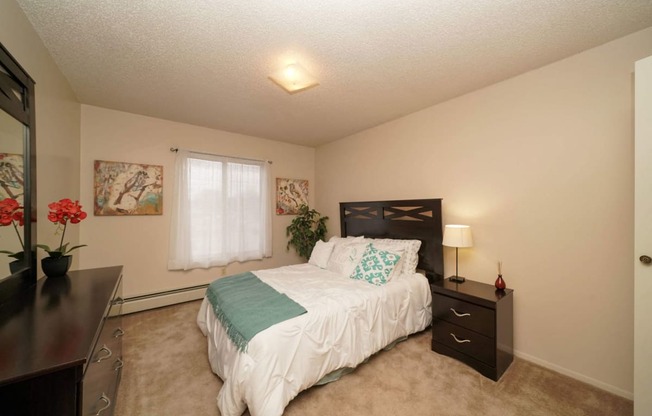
(375, 266)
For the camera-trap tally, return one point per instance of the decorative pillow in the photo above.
(375, 266)
(410, 257)
(345, 240)
(321, 253)
(345, 256)
(398, 267)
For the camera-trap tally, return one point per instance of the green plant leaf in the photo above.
(74, 248)
(19, 255)
(59, 251)
(305, 230)
(44, 247)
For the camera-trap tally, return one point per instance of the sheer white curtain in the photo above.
(221, 211)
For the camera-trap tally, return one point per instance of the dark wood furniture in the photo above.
(473, 323)
(18, 102)
(60, 345)
(415, 219)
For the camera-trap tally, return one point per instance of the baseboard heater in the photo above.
(166, 298)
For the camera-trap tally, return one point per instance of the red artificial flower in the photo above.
(66, 210)
(19, 216)
(8, 207)
(11, 213)
(62, 212)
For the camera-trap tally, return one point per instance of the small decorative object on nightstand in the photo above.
(473, 323)
(500, 283)
(457, 236)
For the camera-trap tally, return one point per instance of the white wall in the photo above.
(57, 120)
(541, 167)
(140, 243)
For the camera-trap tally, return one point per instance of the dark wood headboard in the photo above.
(416, 219)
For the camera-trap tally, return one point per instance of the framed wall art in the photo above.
(123, 188)
(290, 195)
(11, 176)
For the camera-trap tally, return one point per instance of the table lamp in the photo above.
(458, 236)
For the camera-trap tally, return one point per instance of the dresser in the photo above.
(61, 345)
(473, 322)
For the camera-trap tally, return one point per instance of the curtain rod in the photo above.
(176, 149)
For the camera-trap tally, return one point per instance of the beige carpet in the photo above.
(166, 372)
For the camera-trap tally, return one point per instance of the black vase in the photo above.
(16, 265)
(56, 266)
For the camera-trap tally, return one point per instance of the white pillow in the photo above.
(339, 240)
(321, 253)
(346, 255)
(410, 258)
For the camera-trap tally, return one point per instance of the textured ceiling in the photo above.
(206, 62)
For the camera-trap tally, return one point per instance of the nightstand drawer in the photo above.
(468, 342)
(474, 317)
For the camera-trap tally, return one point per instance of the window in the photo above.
(221, 211)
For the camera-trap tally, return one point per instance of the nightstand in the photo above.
(472, 322)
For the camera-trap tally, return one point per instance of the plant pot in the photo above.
(16, 266)
(56, 266)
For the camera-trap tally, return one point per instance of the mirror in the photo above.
(17, 178)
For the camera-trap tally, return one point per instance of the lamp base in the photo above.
(457, 279)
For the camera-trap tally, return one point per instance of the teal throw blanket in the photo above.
(245, 306)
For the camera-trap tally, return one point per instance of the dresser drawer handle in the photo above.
(118, 333)
(118, 301)
(459, 341)
(104, 348)
(108, 404)
(120, 364)
(460, 315)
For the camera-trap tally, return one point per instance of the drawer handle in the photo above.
(120, 364)
(104, 348)
(118, 333)
(118, 301)
(108, 404)
(459, 341)
(460, 315)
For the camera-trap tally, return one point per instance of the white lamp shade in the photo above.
(457, 236)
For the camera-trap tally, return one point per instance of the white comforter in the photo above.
(347, 321)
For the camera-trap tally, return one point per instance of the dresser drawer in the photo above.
(104, 365)
(103, 371)
(99, 387)
(468, 342)
(468, 315)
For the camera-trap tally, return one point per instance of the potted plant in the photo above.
(61, 213)
(11, 213)
(306, 229)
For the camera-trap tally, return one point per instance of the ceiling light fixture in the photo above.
(294, 78)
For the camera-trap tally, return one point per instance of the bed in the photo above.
(347, 320)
